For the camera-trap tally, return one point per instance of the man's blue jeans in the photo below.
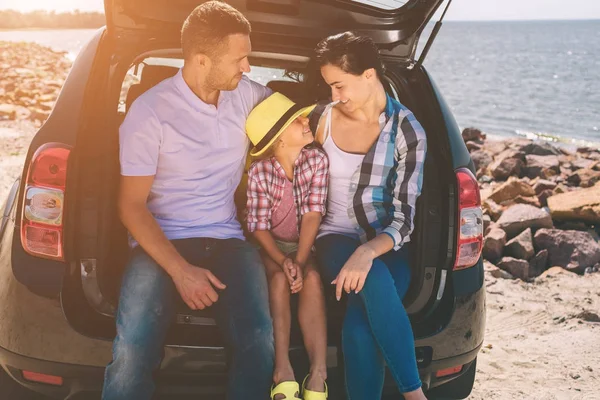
(147, 310)
(376, 329)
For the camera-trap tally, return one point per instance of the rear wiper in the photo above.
(434, 33)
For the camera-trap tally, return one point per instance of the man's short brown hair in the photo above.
(206, 28)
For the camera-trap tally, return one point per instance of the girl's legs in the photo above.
(311, 316)
(376, 326)
(279, 301)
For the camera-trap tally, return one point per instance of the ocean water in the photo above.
(535, 79)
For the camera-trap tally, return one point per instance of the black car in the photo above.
(63, 248)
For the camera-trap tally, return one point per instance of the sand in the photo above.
(538, 344)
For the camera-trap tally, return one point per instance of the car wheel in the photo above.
(457, 389)
(9, 389)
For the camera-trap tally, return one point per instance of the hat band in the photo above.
(277, 127)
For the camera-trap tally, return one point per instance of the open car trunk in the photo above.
(91, 292)
(394, 25)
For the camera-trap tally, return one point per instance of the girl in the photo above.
(287, 190)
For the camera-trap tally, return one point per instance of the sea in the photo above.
(536, 79)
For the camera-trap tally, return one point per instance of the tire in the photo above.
(11, 390)
(457, 389)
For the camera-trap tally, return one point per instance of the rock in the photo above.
(495, 147)
(573, 250)
(511, 189)
(537, 265)
(560, 188)
(487, 220)
(493, 244)
(473, 146)
(493, 209)
(584, 178)
(544, 166)
(506, 168)
(543, 184)
(481, 159)
(571, 226)
(522, 216)
(517, 268)
(518, 143)
(506, 164)
(489, 228)
(521, 246)
(495, 271)
(543, 197)
(583, 163)
(470, 134)
(531, 200)
(582, 206)
(484, 178)
(588, 316)
(555, 271)
(8, 111)
(540, 149)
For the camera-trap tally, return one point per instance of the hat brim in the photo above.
(301, 112)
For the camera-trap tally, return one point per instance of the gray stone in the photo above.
(538, 264)
(542, 166)
(540, 149)
(522, 216)
(493, 244)
(470, 134)
(517, 268)
(481, 159)
(521, 246)
(573, 250)
(543, 184)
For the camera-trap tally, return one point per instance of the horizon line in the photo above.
(446, 20)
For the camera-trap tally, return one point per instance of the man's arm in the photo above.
(195, 285)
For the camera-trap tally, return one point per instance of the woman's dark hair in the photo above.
(351, 53)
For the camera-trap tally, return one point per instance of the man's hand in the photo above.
(354, 273)
(197, 286)
(293, 273)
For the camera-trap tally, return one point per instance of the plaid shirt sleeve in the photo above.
(258, 205)
(319, 184)
(411, 147)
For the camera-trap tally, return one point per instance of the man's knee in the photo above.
(255, 339)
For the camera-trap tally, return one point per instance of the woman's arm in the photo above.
(353, 275)
(410, 149)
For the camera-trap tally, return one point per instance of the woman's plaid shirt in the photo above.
(385, 187)
(266, 180)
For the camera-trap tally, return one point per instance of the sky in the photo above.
(459, 10)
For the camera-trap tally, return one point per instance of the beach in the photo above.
(543, 325)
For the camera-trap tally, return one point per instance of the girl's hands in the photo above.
(354, 273)
(293, 273)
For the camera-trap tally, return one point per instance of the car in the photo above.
(63, 247)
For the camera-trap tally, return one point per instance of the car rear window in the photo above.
(383, 4)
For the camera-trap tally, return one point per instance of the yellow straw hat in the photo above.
(270, 118)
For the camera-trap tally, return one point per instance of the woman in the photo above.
(376, 150)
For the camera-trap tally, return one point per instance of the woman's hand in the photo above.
(354, 273)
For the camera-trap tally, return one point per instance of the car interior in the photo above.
(300, 81)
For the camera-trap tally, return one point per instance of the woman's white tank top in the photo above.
(342, 166)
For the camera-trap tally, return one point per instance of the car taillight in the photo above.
(44, 202)
(470, 236)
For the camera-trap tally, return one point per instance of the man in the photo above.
(183, 150)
